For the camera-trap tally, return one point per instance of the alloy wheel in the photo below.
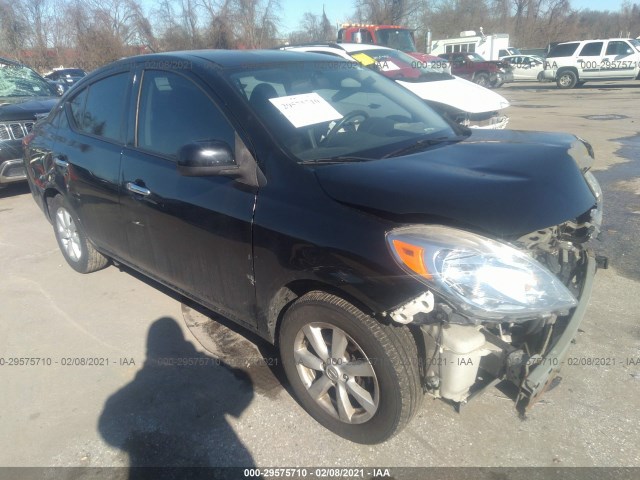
(68, 234)
(336, 372)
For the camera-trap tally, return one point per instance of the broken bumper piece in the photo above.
(541, 376)
(463, 360)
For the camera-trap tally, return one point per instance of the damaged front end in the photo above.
(497, 310)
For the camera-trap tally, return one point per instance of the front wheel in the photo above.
(482, 79)
(567, 79)
(73, 243)
(356, 376)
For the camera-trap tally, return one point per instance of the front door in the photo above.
(193, 233)
(619, 61)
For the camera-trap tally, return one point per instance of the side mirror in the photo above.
(357, 37)
(201, 159)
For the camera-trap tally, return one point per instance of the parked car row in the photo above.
(387, 251)
(458, 99)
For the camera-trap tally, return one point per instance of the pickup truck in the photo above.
(472, 67)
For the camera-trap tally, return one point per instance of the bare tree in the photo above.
(256, 22)
(13, 29)
(389, 12)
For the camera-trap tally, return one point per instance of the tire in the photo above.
(482, 79)
(567, 79)
(79, 253)
(375, 372)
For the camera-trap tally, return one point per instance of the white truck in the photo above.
(490, 47)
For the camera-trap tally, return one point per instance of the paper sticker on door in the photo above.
(305, 109)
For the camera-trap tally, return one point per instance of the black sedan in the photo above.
(66, 75)
(390, 254)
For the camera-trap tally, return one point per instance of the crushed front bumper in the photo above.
(498, 122)
(542, 374)
(463, 360)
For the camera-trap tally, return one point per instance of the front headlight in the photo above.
(482, 278)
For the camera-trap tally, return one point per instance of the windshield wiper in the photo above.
(340, 159)
(422, 144)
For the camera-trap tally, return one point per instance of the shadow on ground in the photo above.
(173, 413)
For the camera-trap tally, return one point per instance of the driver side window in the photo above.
(174, 112)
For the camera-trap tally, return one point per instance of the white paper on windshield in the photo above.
(388, 66)
(305, 109)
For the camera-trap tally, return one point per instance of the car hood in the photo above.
(507, 183)
(461, 94)
(25, 108)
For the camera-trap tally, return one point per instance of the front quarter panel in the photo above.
(304, 240)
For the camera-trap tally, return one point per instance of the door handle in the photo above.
(132, 187)
(61, 162)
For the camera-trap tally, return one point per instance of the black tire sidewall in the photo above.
(383, 423)
(81, 265)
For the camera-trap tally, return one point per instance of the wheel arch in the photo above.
(289, 293)
(47, 195)
(561, 70)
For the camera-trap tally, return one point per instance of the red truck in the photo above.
(392, 36)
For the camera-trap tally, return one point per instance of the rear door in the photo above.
(87, 157)
(192, 233)
(589, 60)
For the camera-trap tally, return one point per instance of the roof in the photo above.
(595, 40)
(234, 58)
(6, 61)
(345, 47)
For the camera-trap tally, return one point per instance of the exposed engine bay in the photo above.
(463, 355)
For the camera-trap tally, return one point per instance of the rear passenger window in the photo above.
(174, 112)
(99, 109)
(592, 49)
(563, 50)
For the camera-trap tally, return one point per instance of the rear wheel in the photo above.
(357, 377)
(567, 79)
(73, 243)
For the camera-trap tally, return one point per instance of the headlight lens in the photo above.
(482, 278)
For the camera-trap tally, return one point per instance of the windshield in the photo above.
(635, 43)
(396, 38)
(335, 110)
(20, 81)
(400, 66)
(474, 57)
